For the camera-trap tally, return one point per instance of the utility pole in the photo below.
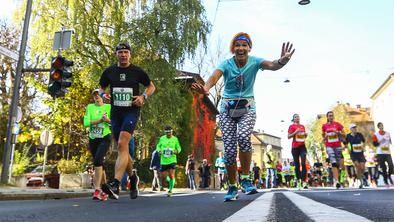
(15, 96)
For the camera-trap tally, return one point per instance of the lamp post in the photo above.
(304, 2)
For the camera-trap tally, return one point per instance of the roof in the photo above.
(192, 78)
(383, 86)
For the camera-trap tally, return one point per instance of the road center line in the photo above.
(257, 210)
(322, 212)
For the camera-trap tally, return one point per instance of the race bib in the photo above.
(357, 148)
(332, 137)
(122, 96)
(300, 137)
(385, 149)
(167, 152)
(96, 131)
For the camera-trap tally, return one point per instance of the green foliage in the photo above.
(162, 34)
(71, 166)
(21, 162)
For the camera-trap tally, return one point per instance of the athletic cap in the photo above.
(95, 91)
(352, 125)
(123, 45)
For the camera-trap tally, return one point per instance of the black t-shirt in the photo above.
(355, 141)
(124, 84)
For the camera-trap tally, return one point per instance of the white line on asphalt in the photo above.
(173, 195)
(257, 210)
(322, 212)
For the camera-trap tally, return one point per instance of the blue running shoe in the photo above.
(232, 194)
(247, 187)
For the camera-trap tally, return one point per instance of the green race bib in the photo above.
(167, 152)
(122, 96)
(96, 131)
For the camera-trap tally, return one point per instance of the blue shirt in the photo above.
(239, 82)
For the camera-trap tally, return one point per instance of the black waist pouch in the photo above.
(237, 108)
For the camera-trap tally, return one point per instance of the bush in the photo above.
(69, 166)
(21, 162)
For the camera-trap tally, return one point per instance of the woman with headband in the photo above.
(238, 110)
(298, 150)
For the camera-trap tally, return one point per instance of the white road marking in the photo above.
(322, 212)
(257, 210)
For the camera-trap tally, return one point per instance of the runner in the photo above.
(124, 79)
(221, 167)
(332, 131)
(356, 143)
(238, 110)
(270, 159)
(382, 140)
(298, 150)
(286, 173)
(349, 168)
(370, 157)
(168, 147)
(97, 119)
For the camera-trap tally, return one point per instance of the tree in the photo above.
(162, 34)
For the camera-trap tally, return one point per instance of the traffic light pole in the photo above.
(15, 96)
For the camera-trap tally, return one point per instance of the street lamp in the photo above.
(304, 2)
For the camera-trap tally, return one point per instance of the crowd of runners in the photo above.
(236, 120)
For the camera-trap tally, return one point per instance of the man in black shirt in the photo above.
(123, 79)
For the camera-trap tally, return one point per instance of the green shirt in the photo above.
(167, 147)
(94, 113)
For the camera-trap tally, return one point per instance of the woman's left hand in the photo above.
(286, 53)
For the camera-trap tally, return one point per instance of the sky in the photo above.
(343, 53)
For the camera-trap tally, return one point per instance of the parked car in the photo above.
(34, 178)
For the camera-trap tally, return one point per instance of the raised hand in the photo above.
(286, 52)
(199, 88)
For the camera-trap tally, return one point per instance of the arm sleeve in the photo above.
(362, 138)
(104, 81)
(222, 66)
(86, 118)
(178, 146)
(144, 78)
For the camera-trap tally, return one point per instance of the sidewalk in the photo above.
(17, 193)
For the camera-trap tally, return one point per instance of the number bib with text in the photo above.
(332, 137)
(357, 148)
(385, 148)
(300, 137)
(96, 131)
(122, 96)
(167, 152)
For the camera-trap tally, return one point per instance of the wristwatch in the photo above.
(145, 95)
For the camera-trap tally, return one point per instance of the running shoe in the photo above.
(232, 194)
(169, 193)
(305, 185)
(338, 185)
(299, 184)
(97, 195)
(112, 189)
(103, 196)
(133, 186)
(247, 187)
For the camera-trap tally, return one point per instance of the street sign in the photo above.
(62, 39)
(9, 53)
(46, 138)
(18, 114)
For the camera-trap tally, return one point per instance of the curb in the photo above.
(43, 196)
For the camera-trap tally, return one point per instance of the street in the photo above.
(276, 205)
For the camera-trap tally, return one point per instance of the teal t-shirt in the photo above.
(93, 113)
(239, 82)
(166, 147)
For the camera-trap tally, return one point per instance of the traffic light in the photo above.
(60, 76)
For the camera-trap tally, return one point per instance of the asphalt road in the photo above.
(275, 205)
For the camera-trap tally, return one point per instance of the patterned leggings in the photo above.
(236, 130)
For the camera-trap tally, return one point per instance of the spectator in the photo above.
(204, 174)
(155, 166)
(190, 168)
